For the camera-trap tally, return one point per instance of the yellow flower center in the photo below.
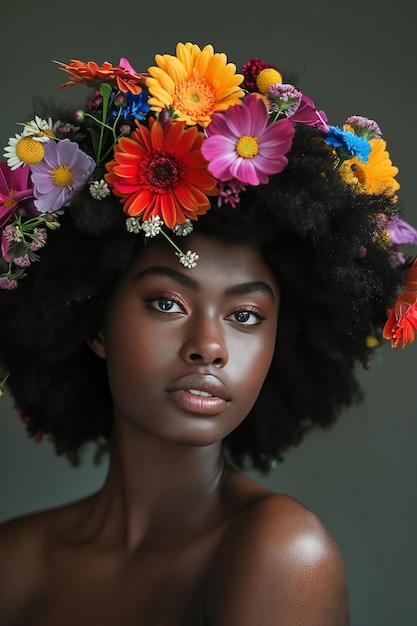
(194, 97)
(247, 147)
(29, 150)
(266, 78)
(62, 176)
(10, 201)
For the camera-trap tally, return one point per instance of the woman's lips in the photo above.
(199, 394)
(205, 405)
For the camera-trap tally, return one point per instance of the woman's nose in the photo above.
(204, 342)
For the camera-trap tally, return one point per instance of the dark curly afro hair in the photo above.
(315, 232)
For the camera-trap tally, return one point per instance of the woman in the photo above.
(189, 371)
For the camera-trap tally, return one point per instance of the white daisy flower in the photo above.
(23, 150)
(99, 189)
(39, 129)
(189, 259)
(152, 227)
(183, 229)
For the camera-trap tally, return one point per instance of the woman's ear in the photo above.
(98, 344)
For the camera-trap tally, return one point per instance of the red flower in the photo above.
(401, 326)
(90, 72)
(402, 322)
(251, 69)
(160, 171)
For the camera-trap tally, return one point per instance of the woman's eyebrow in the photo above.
(179, 277)
(250, 287)
(189, 282)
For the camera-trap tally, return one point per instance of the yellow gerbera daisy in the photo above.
(375, 176)
(195, 83)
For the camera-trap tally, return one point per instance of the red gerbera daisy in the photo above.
(160, 171)
(121, 75)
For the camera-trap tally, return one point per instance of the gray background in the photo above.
(355, 58)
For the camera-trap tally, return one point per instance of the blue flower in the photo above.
(135, 106)
(347, 144)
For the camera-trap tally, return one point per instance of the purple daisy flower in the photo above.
(401, 232)
(242, 146)
(63, 171)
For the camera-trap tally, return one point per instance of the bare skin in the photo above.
(176, 537)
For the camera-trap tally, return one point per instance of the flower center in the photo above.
(247, 147)
(194, 97)
(359, 173)
(161, 170)
(10, 201)
(29, 150)
(61, 176)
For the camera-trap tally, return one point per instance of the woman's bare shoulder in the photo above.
(26, 545)
(22, 564)
(277, 564)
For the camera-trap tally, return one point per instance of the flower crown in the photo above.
(167, 141)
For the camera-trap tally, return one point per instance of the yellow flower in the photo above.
(371, 341)
(194, 84)
(375, 176)
(266, 78)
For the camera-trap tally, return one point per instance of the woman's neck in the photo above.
(157, 489)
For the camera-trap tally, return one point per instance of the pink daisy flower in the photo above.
(63, 171)
(242, 146)
(16, 192)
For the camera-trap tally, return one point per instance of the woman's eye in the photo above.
(248, 318)
(166, 305)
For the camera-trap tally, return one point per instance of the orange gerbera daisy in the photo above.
(195, 83)
(402, 321)
(160, 171)
(375, 176)
(120, 75)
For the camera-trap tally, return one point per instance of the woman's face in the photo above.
(188, 350)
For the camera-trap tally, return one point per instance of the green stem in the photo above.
(99, 122)
(179, 251)
(105, 91)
